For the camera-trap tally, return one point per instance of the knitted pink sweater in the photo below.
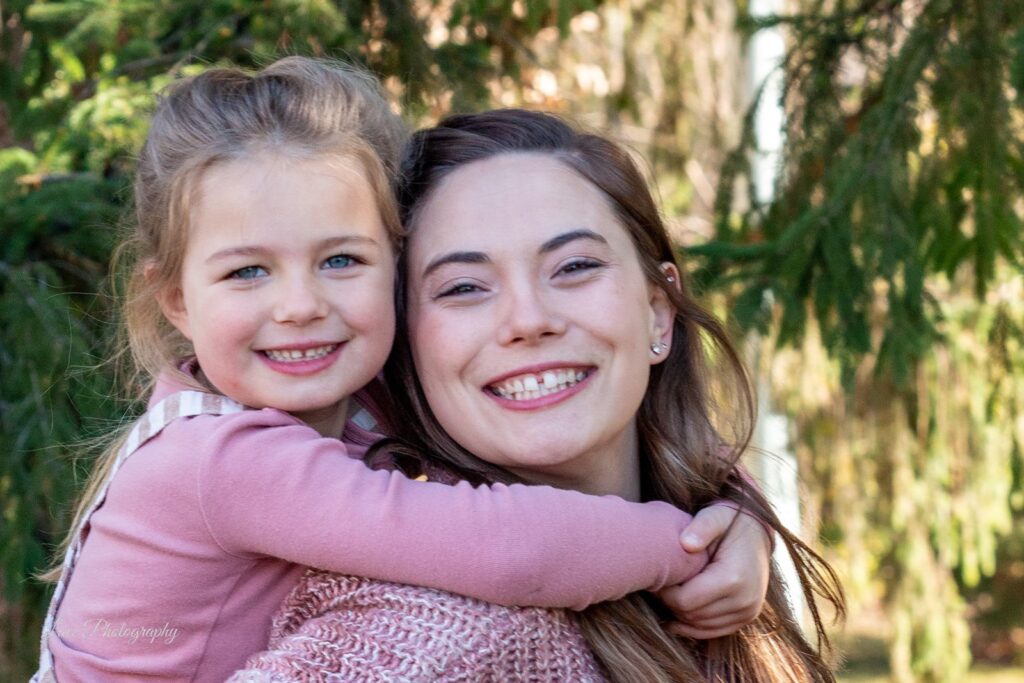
(347, 628)
(333, 627)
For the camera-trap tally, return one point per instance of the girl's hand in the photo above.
(729, 592)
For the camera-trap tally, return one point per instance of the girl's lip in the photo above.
(299, 346)
(546, 400)
(310, 366)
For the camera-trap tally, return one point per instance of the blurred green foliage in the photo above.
(891, 260)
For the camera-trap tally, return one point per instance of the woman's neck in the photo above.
(611, 469)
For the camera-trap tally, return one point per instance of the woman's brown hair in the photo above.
(694, 422)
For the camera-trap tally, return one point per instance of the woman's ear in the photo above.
(663, 314)
(671, 274)
(171, 301)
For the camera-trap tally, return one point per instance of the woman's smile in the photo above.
(530, 389)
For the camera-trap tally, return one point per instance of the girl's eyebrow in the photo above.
(255, 250)
(480, 257)
(236, 251)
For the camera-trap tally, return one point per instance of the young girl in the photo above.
(260, 301)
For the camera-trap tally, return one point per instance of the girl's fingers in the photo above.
(720, 614)
(682, 600)
(708, 526)
(720, 625)
(686, 631)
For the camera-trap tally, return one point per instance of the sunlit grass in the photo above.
(980, 675)
(867, 661)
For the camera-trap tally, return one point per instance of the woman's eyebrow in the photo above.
(571, 236)
(456, 257)
(480, 257)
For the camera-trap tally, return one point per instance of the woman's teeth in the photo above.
(526, 387)
(293, 355)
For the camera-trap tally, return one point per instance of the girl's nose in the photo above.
(299, 301)
(528, 317)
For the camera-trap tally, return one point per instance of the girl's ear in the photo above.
(663, 314)
(172, 303)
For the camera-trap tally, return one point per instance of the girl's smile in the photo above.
(303, 359)
(286, 284)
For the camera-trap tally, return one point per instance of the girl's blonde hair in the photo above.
(296, 107)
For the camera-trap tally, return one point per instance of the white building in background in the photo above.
(776, 468)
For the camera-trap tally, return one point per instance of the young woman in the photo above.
(546, 335)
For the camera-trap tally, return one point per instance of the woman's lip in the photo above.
(542, 401)
(310, 366)
(538, 369)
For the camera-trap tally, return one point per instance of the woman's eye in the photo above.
(248, 273)
(459, 288)
(579, 265)
(339, 261)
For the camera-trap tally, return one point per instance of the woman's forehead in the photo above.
(514, 197)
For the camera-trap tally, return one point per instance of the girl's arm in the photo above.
(271, 487)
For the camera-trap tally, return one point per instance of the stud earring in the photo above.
(669, 279)
(658, 348)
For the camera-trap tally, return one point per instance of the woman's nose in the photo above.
(528, 316)
(299, 300)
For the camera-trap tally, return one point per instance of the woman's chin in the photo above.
(535, 456)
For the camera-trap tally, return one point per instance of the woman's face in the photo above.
(531, 322)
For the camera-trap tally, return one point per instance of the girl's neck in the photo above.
(329, 421)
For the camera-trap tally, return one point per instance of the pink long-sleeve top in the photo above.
(209, 525)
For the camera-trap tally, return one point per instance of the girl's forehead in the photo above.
(269, 199)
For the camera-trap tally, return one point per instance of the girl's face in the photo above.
(286, 287)
(531, 322)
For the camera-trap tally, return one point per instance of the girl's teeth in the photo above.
(291, 355)
(533, 386)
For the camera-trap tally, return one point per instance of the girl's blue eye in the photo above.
(248, 273)
(339, 261)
